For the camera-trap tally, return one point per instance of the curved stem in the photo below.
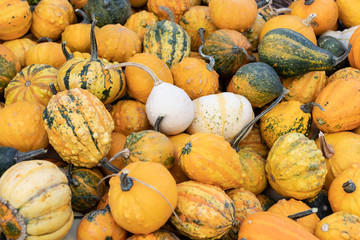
(93, 44)
(240, 136)
(237, 50)
(19, 156)
(125, 181)
(349, 186)
(307, 21)
(303, 214)
(211, 64)
(282, 10)
(44, 39)
(306, 107)
(85, 18)
(157, 123)
(108, 166)
(125, 153)
(157, 81)
(67, 55)
(326, 149)
(53, 88)
(338, 60)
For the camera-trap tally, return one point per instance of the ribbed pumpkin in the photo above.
(354, 56)
(117, 43)
(139, 83)
(149, 145)
(99, 224)
(254, 141)
(344, 193)
(288, 207)
(79, 127)
(193, 76)
(106, 84)
(9, 66)
(169, 9)
(306, 87)
(326, 11)
(35, 201)
(348, 72)
(50, 18)
(31, 84)
(160, 234)
(299, 181)
(168, 41)
(176, 171)
(209, 158)
(348, 12)
(333, 98)
(191, 21)
(339, 225)
(205, 211)
(19, 47)
(22, 126)
(270, 226)
(15, 18)
(140, 21)
(135, 205)
(345, 151)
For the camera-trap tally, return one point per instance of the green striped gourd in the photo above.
(168, 41)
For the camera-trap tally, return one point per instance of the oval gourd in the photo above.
(223, 114)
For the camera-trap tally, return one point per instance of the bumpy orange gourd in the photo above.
(139, 22)
(169, 9)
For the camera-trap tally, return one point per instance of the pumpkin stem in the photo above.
(85, 18)
(157, 81)
(44, 39)
(125, 181)
(240, 136)
(282, 10)
(303, 214)
(11, 217)
(93, 44)
(69, 174)
(168, 12)
(326, 149)
(211, 64)
(125, 153)
(67, 55)
(349, 186)
(308, 2)
(306, 107)
(338, 60)
(53, 88)
(237, 50)
(307, 21)
(108, 166)
(157, 123)
(19, 156)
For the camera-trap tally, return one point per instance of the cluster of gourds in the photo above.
(142, 115)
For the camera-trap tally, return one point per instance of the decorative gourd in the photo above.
(288, 207)
(99, 224)
(31, 84)
(253, 167)
(138, 3)
(15, 18)
(278, 48)
(299, 181)
(160, 234)
(254, 141)
(343, 36)
(348, 12)
(348, 72)
(35, 201)
(223, 114)
(124, 43)
(178, 141)
(333, 97)
(321, 202)
(338, 225)
(22, 126)
(117, 144)
(19, 47)
(168, 41)
(50, 17)
(258, 82)
(205, 211)
(344, 191)
(208, 158)
(48, 53)
(77, 112)
(192, 20)
(9, 66)
(90, 74)
(354, 57)
(168, 9)
(178, 110)
(306, 87)
(341, 150)
(195, 77)
(266, 201)
(143, 197)
(108, 12)
(237, 15)
(138, 82)
(270, 226)
(140, 21)
(326, 11)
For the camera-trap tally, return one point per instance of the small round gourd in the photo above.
(19, 47)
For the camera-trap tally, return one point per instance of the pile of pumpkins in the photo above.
(180, 119)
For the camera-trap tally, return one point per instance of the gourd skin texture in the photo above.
(140, 21)
(39, 191)
(354, 56)
(78, 119)
(174, 9)
(9, 65)
(295, 167)
(19, 47)
(45, 53)
(205, 210)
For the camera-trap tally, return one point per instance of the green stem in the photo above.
(211, 64)
(93, 44)
(303, 214)
(67, 55)
(19, 156)
(157, 123)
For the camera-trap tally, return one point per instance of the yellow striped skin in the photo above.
(79, 127)
(39, 191)
(106, 85)
(205, 210)
(31, 84)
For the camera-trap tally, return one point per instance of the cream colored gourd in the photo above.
(223, 114)
(166, 100)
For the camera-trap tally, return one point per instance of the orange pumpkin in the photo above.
(20, 47)
(168, 9)
(354, 56)
(139, 22)
(348, 72)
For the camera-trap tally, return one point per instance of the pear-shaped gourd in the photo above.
(166, 101)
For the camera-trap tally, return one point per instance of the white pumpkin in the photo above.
(222, 114)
